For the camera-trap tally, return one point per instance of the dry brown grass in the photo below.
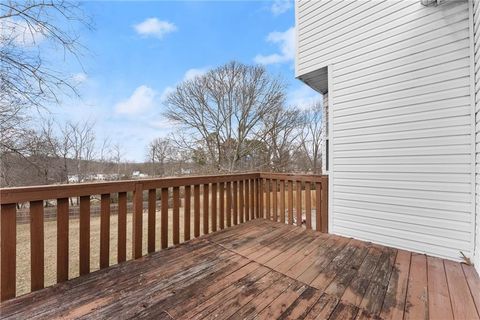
(50, 230)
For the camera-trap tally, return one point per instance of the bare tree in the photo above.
(281, 133)
(221, 112)
(159, 151)
(312, 135)
(82, 139)
(27, 78)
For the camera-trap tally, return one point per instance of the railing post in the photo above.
(36, 245)
(324, 212)
(84, 235)
(62, 239)
(137, 221)
(8, 240)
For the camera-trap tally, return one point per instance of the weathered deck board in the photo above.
(263, 270)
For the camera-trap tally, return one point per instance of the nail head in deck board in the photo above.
(104, 231)
(298, 202)
(221, 186)
(122, 227)
(206, 194)
(417, 293)
(235, 203)
(463, 305)
(164, 219)
(176, 215)
(137, 221)
(84, 234)
(214, 207)
(37, 265)
(438, 297)
(62, 239)
(8, 237)
(152, 212)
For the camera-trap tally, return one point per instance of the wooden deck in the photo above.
(263, 269)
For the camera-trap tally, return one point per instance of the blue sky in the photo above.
(139, 51)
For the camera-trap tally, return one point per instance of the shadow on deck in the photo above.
(264, 269)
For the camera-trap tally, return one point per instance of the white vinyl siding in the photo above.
(476, 23)
(401, 118)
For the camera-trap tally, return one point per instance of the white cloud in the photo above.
(79, 78)
(303, 97)
(20, 32)
(280, 6)
(152, 27)
(142, 99)
(190, 74)
(286, 43)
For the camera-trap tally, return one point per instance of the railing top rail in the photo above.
(292, 176)
(45, 192)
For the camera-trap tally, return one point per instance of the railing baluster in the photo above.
(222, 204)
(290, 202)
(308, 205)
(235, 203)
(196, 210)
(176, 215)
(241, 205)
(84, 235)
(62, 239)
(137, 220)
(247, 201)
(229, 204)
(105, 231)
(214, 207)
(318, 206)
(260, 198)
(268, 198)
(152, 212)
(8, 242)
(324, 211)
(122, 227)
(282, 201)
(36, 245)
(186, 214)
(206, 194)
(164, 219)
(298, 200)
(252, 199)
(275, 200)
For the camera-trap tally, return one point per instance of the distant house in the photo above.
(403, 144)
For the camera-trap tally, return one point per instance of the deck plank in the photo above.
(462, 301)
(265, 270)
(438, 295)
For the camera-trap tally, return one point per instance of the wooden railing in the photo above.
(217, 202)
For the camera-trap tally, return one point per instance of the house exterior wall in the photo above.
(476, 34)
(402, 120)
